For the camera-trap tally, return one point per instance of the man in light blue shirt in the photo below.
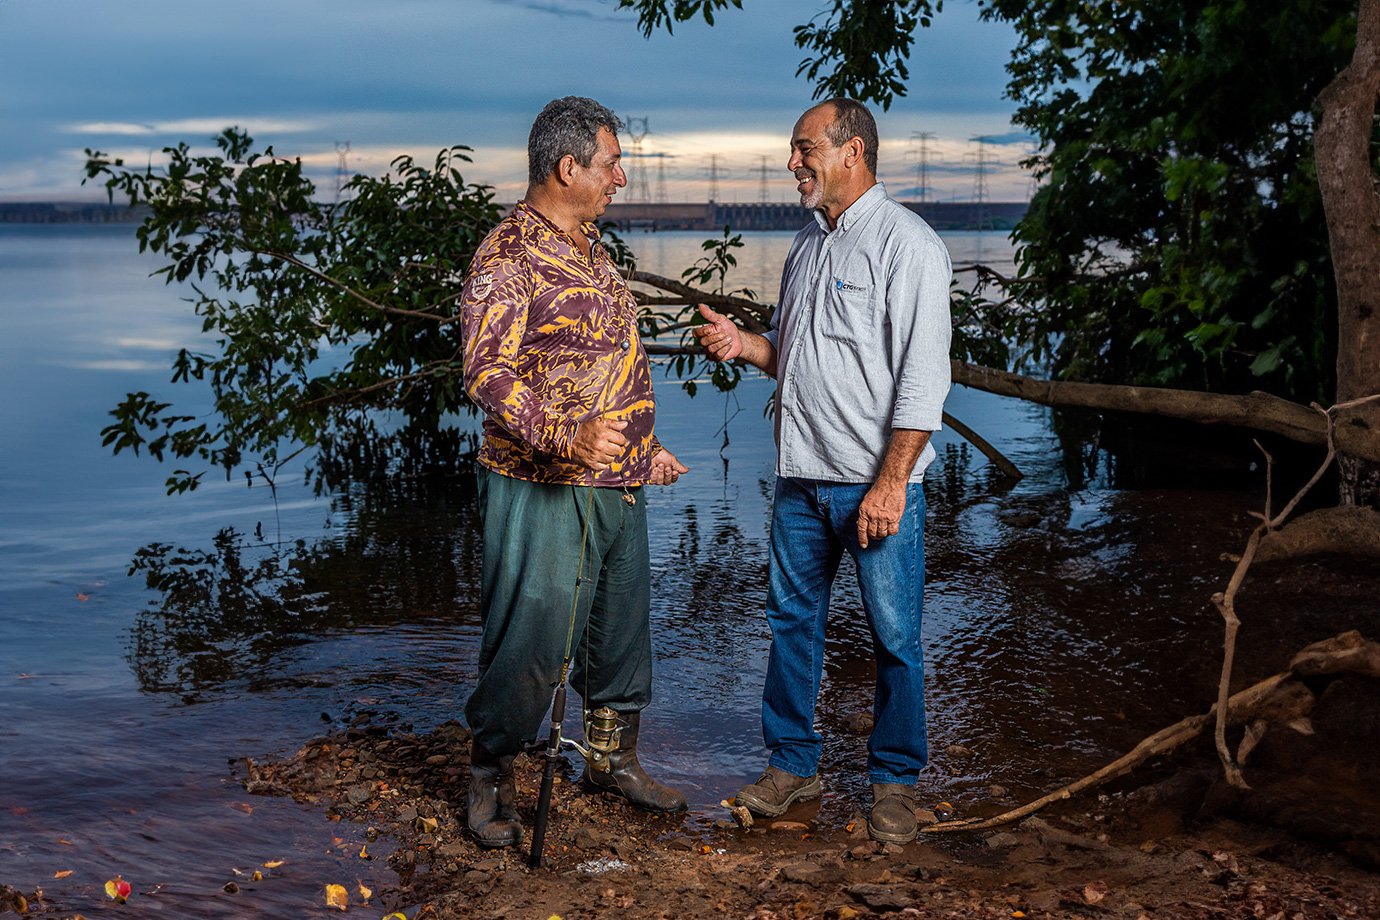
(859, 345)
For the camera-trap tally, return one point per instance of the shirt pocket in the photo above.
(849, 315)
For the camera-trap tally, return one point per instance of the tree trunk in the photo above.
(1257, 411)
(1352, 205)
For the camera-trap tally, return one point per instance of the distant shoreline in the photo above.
(705, 217)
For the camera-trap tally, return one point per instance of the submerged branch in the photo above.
(1276, 696)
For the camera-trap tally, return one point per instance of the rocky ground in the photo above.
(1180, 846)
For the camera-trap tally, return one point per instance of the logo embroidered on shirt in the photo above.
(483, 283)
(841, 285)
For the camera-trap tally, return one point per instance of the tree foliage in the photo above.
(329, 325)
(1177, 236)
(856, 48)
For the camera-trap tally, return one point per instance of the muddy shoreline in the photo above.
(1170, 840)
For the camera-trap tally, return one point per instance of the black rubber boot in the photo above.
(626, 776)
(492, 820)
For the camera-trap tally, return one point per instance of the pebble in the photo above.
(860, 723)
(1002, 839)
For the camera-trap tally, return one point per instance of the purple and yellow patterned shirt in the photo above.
(550, 341)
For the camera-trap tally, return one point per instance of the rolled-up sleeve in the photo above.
(494, 307)
(917, 304)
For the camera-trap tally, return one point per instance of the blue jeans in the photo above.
(812, 524)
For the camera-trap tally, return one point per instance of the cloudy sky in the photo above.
(411, 76)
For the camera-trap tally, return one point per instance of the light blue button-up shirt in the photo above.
(862, 335)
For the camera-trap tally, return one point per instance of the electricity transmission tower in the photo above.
(342, 166)
(922, 163)
(980, 167)
(715, 171)
(640, 190)
(661, 178)
(763, 191)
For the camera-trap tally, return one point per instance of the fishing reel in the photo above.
(602, 733)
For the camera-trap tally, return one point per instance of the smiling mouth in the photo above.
(803, 179)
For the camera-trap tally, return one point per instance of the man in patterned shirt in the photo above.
(552, 356)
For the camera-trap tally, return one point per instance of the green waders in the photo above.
(532, 534)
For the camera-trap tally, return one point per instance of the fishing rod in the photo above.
(602, 730)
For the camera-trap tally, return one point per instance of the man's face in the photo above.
(595, 184)
(814, 159)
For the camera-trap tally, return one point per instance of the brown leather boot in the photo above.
(492, 820)
(776, 790)
(892, 819)
(626, 776)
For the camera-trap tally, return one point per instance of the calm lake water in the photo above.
(1062, 623)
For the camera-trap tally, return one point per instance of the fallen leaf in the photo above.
(337, 897)
(365, 891)
(257, 876)
(117, 889)
(1094, 892)
(230, 888)
(850, 826)
(64, 841)
(396, 916)
(364, 852)
(706, 849)
(83, 597)
(273, 863)
(62, 873)
(426, 825)
(244, 807)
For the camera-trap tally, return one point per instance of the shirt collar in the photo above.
(867, 202)
(589, 228)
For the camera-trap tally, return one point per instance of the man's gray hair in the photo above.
(569, 125)
(852, 119)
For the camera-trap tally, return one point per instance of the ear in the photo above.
(565, 169)
(853, 151)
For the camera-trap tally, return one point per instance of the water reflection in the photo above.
(408, 552)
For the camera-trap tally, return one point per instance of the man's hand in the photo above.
(666, 469)
(722, 339)
(879, 515)
(598, 442)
